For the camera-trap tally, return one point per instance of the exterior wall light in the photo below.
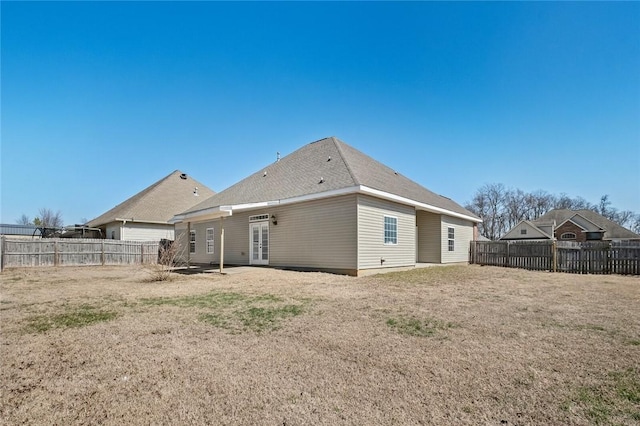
(274, 220)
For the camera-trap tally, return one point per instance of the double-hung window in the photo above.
(390, 230)
(210, 241)
(451, 234)
(192, 242)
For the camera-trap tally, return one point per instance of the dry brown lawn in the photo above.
(444, 345)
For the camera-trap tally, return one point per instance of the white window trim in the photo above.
(211, 243)
(259, 217)
(451, 241)
(384, 231)
(192, 242)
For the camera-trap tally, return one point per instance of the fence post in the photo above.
(142, 253)
(2, 252)
(55, 253)
(507, 258)
(554, 249)
(102, 254)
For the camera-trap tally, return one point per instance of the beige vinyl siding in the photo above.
(236, 238)
(371, 246)
(429, 236)
(463, 235)
(531, 233)
(200, 256)
(132, 231)
(113, 231)
(318, 234)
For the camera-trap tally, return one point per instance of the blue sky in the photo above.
(100, 100)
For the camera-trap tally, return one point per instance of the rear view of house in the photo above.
(146, 215)
(327, 207)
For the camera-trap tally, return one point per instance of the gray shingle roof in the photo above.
(158, 202)
(337, 165)
(612, 229)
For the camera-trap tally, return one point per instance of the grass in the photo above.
(236, 312)
(459, 345)
(614, 400)
(256, 319)
(423, 327)
(75, 318)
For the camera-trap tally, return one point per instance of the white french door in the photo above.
(259, 241)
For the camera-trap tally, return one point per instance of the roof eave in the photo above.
(218, 211)
(203, 215)
(417, 204)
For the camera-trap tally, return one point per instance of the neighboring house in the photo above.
(570, 225)
(146, 215)
(327, 207)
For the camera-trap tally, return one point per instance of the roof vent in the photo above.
(195, 192)
(277, 156)
(183, 176)
(264, 174)
(329, 159)
(321, 180)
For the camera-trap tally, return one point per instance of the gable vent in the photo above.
(183, 176)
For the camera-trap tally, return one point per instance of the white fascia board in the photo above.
(203, 215)
(423, 206)
(154, 222)
(250, 206)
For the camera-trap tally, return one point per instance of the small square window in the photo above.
(523, 232)
(390, 230)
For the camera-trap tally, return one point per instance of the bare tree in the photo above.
(48, 221)
(168, 252)
(516, 208)
(635, 224)
(539, 202)
(24, 220)
(625, 218)
(488, 203)
(501, 208)
(603, 207)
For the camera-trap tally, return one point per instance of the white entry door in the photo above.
(259, 240)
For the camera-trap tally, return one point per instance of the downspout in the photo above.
(221, 244)
(188, 245)
(124, 222)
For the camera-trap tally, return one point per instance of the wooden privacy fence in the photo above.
(75, 252)
(598, 257)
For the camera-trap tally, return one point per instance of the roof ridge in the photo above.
(148, 190)
(337, 142)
